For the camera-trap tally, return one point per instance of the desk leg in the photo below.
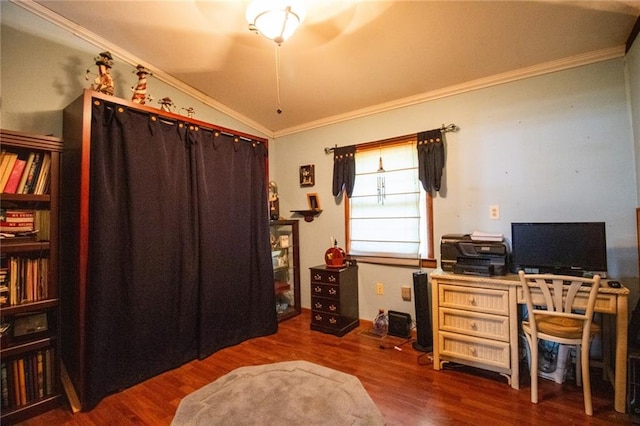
(514, 327)
(435, 320)
(620, 384)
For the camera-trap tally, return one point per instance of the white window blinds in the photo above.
(387, 208)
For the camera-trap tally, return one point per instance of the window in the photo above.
(389, 215)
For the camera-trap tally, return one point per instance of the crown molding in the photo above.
(133, 60)
(494, 80)
(507, 77)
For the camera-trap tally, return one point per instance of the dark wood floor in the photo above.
(403, 384)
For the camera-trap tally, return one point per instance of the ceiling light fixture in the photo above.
(275, 19)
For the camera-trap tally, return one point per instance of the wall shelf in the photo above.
(308, 215)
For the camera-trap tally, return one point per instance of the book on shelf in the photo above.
(25, 174)
(27, 378)
(8, 162)
(32, 173)
(4, 160)
(14, 177)
(16, 383)
(16, 226)
(22, 382)
(40, 363)
(49, 371)
(17, 215)
(5, 385)
(24, 223)
(43, 175)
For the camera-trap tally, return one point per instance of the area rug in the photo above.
(284, 393)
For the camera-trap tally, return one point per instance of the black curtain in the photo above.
(157, 268)
(430, 159)
(236, 296)
(344, 169)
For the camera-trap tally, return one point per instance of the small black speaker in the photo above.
(399, 324)
(423, 318)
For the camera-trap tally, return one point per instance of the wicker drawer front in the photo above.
(327, 277)
(325, 305)
(489, 353)
(474, 299)
(474, 324)
(323, 290)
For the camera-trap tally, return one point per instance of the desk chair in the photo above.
(553, 318)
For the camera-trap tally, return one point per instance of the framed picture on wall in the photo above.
(313, 201)
(307, 177)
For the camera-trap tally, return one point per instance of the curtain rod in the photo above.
(449, 128)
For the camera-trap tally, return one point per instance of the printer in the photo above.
(461, 254)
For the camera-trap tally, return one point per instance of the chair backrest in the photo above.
(559, 295)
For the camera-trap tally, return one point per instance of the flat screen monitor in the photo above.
(576, 248)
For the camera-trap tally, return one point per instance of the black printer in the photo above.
(461, 254)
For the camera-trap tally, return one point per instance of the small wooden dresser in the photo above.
(334, 299)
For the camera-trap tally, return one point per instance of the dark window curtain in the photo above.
(143, 258)
(344, 170)
(236, 296)
(430, 159)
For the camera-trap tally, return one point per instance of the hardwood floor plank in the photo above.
(402, 383)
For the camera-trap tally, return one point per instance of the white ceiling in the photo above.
(348, 58)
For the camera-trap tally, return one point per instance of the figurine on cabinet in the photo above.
(166, 104)
(274, 203)
(190, 112)
(103, 82)
(140, 89)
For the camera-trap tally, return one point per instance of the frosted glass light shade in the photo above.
(277, 20)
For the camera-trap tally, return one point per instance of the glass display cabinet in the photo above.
(285, 258)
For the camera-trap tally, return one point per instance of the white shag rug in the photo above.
(285, 393)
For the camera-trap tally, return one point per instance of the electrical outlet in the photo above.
(379, 288)
(494, 212)
(406, 293)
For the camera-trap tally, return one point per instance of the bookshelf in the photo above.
(285, 259)
(30, 343)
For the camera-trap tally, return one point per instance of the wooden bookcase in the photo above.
(30, 346)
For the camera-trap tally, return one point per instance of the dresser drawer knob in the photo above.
(317, 277)
(318, 305)
(472, 300)
(332, 279)
(318, 317)
(317, 289)
(473, 325)
(332, 320)
(473, 351)
(332, 291)
(332, 308)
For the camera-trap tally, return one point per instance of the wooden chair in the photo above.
(561, 311)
